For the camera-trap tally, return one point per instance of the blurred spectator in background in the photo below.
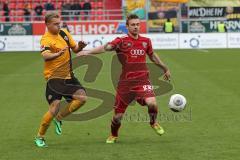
(27, 12)
(168, 26)
(66, 7)
(65, 26)
(135, 7)
(38, 10)
(6, 11)
(71, 13)
(184, 10)
(222, 27)
(49, 6)
(1, 6)
(87, 9)
(76, 7)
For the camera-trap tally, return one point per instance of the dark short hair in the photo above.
(50, 15)
(131, 16)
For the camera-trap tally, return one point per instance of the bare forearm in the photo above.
(50, 56)
(101, 49)
(97, 50)
(76, 49)
(154, 58)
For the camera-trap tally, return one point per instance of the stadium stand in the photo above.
(100, 10)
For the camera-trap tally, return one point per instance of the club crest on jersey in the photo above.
(126, 45)
(50, 97)
(144, 44)
(42, 48)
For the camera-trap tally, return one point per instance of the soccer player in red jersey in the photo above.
(134, 83)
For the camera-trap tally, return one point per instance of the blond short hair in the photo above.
(50, 15)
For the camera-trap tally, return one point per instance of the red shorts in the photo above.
(128, 92)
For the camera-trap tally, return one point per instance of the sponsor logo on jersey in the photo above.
(137, 52)
(42, 48)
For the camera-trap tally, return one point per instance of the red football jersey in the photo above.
(132, 55)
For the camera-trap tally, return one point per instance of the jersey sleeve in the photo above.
(116, 43)
(150, 49)
(71, 40)
(45, 45)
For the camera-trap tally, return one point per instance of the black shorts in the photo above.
(58, 88)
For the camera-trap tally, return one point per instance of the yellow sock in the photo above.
(71, 107)
(47, 118)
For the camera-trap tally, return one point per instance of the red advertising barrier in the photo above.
(78, 28)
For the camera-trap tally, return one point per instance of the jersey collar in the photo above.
(132, 37)
(50, 34)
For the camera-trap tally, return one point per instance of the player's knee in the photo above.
(152, 104)
(80, 95)
(54, 109)
(81, 98)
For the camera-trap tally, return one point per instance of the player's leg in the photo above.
(146, 96)
(78, 99)
(153, 112)
(152, 109)
(46, 120)
(53, 98)
(121, 104)
(115, 125)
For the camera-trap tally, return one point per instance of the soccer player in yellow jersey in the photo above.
(55, 50)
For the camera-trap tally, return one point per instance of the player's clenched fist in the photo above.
(81, 45)
(167, 75)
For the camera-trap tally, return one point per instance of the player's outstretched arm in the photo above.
(97, 50)
(154, 58)
(50, 56)
(79, 47)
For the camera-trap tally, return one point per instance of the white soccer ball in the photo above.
(177, 102)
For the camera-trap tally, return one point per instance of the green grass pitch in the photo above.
(208, 128)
